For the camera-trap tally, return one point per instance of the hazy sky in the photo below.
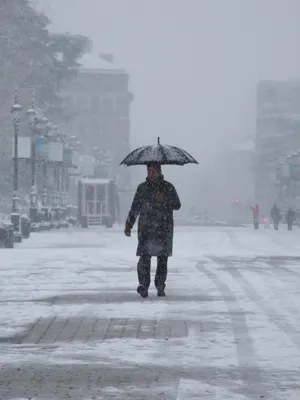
(194, 64)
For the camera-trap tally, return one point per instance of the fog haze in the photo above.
(194, 65)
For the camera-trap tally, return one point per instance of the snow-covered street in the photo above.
(73, 326)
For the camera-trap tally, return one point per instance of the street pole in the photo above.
(48, 129)
(54, 185)
(45, 184)
(15, 216)
(57, 180)
(58, 169)
(63, 194)
(55, 195)
(62, 184)
(67, 186)
(16, 156)
(33, 161)
(32, 119)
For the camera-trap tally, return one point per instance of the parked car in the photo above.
(6, 235)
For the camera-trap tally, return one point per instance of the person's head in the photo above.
(153, 171)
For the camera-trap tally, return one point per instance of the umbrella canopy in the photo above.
(162, 154)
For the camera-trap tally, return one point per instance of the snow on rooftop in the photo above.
(92, 62)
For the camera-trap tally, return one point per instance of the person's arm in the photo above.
(134, 210)
(172, 200)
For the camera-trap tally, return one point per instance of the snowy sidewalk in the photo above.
(73, 326)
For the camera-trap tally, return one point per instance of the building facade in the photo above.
(97, 103)
(277, 134)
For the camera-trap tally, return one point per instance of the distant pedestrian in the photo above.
(276, 216)
(255, 215)
(290, 218)
(154, 203)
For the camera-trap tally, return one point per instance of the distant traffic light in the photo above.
(235, 201)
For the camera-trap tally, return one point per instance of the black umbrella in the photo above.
(162, 154)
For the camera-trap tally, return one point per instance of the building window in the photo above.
(122, 107)
(89, 193)
(107, 106)
(100, 193)
(95, 104)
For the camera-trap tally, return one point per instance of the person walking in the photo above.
(290, 218)
(255, 214)
(276, 216)
(154, 203)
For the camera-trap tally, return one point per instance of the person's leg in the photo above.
(161, 275)
(143, 271)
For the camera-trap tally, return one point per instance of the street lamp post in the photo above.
(46, 128)
(37, 125)
(67, 187)
(55, 195)
(15, 216)
(45, 207)
(63, 140)
(55, 136)
(45, 184)
(33, 121)
(70, 181)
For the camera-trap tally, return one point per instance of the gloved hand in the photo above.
(127, 230)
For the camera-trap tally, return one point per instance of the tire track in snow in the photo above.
(232, 267)
(279, 320)
(276, 264)
(249, 369)
(281, 278)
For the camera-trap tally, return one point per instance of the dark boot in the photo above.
(143, 271)
(161, 275)
(161, 292)
(142, 291)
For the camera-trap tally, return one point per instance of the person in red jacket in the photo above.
(255, 214)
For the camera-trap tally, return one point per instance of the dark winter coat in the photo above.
(275, 213)
(156, 224)
(290, 216)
